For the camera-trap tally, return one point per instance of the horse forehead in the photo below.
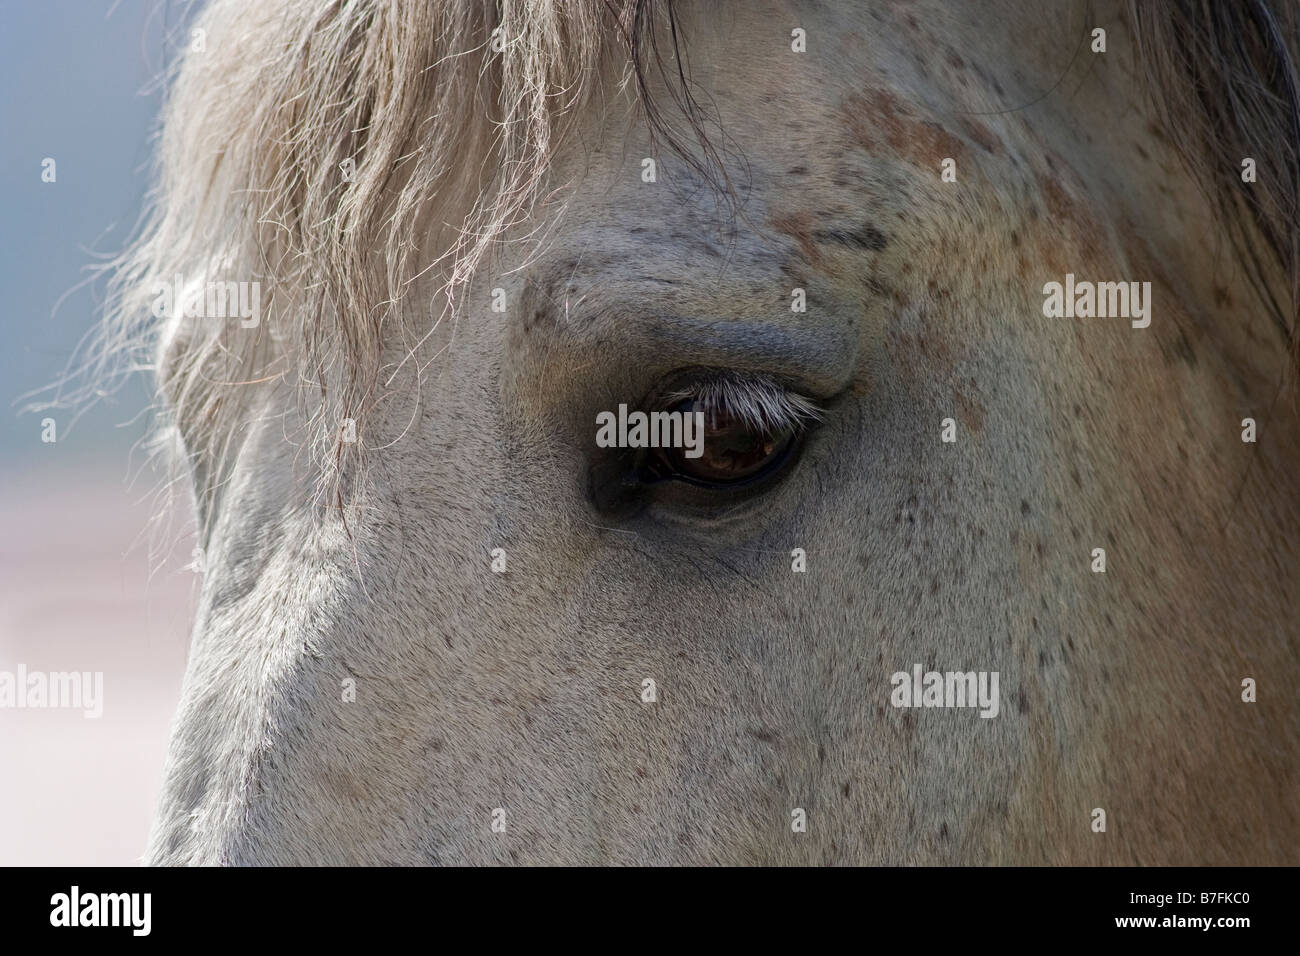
(857, 123)
(837, 155)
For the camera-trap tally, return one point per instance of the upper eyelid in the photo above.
(820, 359)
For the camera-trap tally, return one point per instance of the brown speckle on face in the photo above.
(800, 226)
(970, 411)
(981, 136)
(1071, 217)
(879, 121)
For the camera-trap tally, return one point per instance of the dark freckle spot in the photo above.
(1221, 297)
(798, 170)
(955, 60)
(982, 135)
(797, 276)
(1024, 507)
(1022, 704)
(866, 237)
(759, 733)
(846, 788)
(1034, 621)
(943, 831)
(1141, 152)
(536, 320)
(447, 638)
(821, 754)
(1042, 659)
(1183, 349)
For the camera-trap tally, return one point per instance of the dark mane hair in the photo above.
(1223, 79)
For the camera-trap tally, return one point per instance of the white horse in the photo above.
(440, 622)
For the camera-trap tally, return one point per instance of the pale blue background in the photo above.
(85, 584)
(77, 83)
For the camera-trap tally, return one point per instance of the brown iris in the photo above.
(734, 451)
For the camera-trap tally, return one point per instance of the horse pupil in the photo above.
(732, 451)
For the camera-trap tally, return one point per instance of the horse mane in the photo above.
(451, 144)
(1224, 84)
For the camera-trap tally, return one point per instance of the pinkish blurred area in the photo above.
(81, 591)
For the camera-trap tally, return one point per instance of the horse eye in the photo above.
(734, 451)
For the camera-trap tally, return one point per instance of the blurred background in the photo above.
(85, 585)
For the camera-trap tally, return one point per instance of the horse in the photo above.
(439, 623)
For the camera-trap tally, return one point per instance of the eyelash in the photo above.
(766, 408)
(623, 481)
(763, 403)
